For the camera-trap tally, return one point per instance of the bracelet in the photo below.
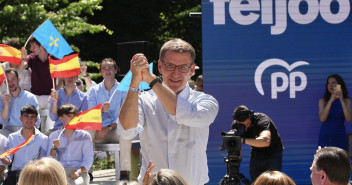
(156, 80)
(87, 75)
(133, 89)
(244, 140)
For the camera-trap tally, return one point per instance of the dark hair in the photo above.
(340, 81)
(10, 70)
(14, 43)
(335, 162)
(242, 113)
(29, 109)
(67, 109)
(34, 40)
(108, 60)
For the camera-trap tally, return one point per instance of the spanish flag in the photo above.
(2, 75)
(15, 149)
(87, 120)
(10, 54)
(65, 67)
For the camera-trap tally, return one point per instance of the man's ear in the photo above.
(323, 177)
(60, 118)
(159, 66)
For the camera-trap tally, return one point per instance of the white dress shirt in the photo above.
(176, 142)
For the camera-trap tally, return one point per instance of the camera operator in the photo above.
(260, 132)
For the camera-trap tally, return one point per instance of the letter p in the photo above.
(274, 88)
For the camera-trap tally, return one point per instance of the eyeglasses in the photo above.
(181, 68)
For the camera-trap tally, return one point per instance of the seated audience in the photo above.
(73, 149)
(11, 104)
(35, 149)
(46, 171)
(68, 94)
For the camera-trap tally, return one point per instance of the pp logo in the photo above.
(287, 80)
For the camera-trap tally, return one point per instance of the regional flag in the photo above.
(10, 54)
(87, 120)
(48, 36)
(66, 67)
(15, 149)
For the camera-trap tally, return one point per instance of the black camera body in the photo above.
(231, 142)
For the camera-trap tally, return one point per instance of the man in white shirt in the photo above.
(174, 118)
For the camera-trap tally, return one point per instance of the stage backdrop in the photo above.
(274, 56)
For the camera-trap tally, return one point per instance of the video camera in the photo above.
(231, 141)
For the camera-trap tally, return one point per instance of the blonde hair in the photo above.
(43, 172)
(274, 178)
(166, 176)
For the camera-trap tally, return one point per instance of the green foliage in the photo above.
(20, 18)
(103, 163)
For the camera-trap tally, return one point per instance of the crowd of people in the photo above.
(171, 120)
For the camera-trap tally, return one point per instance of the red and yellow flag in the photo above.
(15, 149)
(10, 54)
(87, 120)
(2, 75)
(66, 67)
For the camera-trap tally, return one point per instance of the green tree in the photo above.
(20, 18)
(154, 21)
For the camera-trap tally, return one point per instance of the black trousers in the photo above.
(12, 177)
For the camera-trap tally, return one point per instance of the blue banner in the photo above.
(274, 57)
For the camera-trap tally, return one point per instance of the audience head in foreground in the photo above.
(331, 165)
(43, 172)
(166, 176)
(274, 178)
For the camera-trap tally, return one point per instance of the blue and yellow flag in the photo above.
(48, 36)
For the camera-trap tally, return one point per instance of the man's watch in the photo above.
(156, 80)
(110, 127)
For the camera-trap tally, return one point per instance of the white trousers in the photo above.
(45, 122)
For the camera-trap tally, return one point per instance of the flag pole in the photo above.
(112, 95)
(27, 41)
(53, 83)
(32, 33)
(61, 133)
(7, 85)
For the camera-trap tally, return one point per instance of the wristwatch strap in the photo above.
(156, 80)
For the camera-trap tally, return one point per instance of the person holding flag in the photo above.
(14, 46)
(34, 149)
(73, 148)
(107, 94)
(68, 94)
(38, 62)
(12, 102)
(67, 68)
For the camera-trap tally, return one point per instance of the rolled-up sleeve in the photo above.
(197, 111)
